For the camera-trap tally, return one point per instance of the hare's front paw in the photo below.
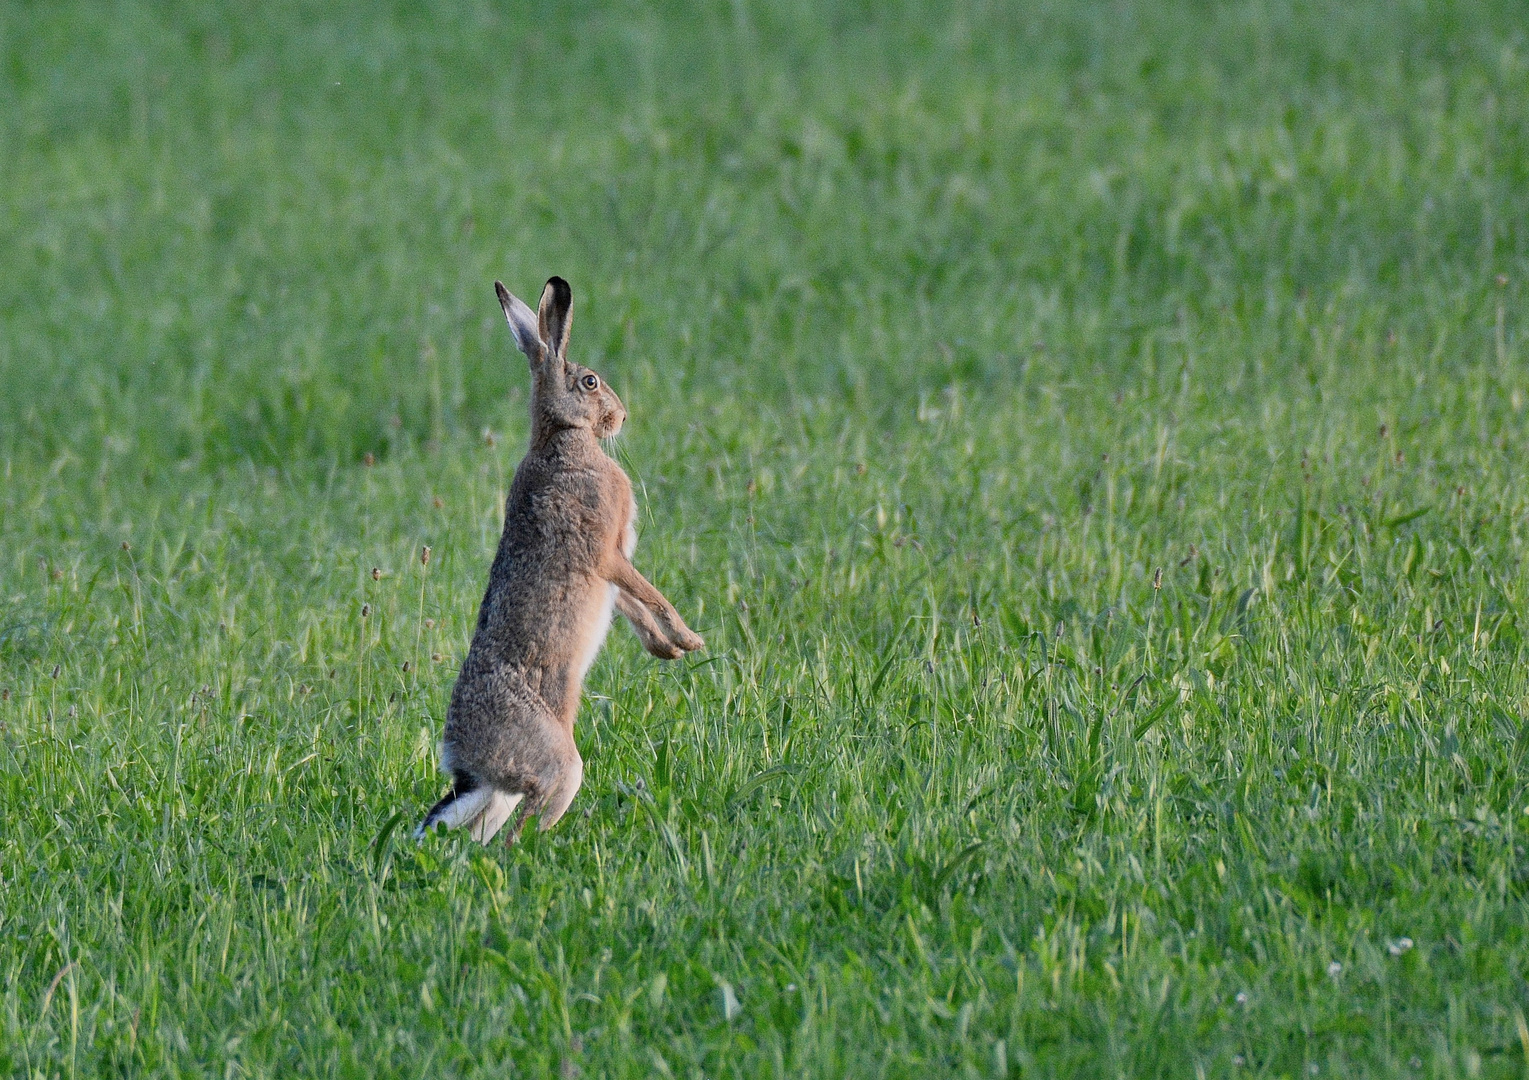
(664, 650)
(688, 640)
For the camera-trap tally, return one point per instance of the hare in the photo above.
(564, 565)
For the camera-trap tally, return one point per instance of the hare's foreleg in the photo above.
(653, 636)
(638, 591)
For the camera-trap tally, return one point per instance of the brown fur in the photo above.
(564, 561)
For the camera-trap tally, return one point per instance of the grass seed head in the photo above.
(366, 609)
(368, 460)
(376, 574)
(424, 555)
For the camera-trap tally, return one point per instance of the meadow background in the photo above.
(1089, 437)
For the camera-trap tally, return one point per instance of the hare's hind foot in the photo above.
(500, 806)
(483, 809)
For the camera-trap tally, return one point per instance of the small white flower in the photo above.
(1242, 997)
(1238, 1060)
(1334, 970)
(1399, 946)
(1312, 1068)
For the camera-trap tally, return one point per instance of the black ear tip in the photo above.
(501, 292)
(561, 293)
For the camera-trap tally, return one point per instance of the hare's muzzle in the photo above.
(612, 416)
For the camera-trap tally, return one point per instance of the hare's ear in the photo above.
(555, 316)
(522, 323)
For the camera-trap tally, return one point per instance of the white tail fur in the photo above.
(484, 810)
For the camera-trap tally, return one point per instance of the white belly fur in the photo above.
(598, 627)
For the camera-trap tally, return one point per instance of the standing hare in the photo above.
(564, 564)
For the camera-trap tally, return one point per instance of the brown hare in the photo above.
(564, 565)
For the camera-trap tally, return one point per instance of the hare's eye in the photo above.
(590, 382)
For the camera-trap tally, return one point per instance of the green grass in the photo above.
(1089, 438)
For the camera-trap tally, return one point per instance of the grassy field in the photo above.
(1090, 439)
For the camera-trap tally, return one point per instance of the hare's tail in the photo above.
(482, 808)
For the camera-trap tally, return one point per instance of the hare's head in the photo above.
(563, 394)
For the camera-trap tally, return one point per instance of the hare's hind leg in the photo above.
(562, 787)
(520, 754)
(501, 805)
(550, 791)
